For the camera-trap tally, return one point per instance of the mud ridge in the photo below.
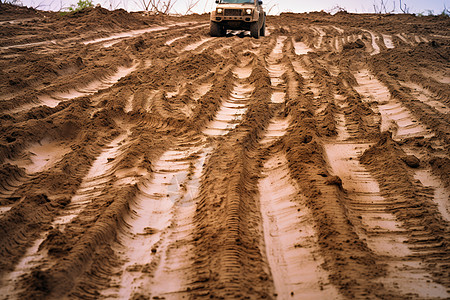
(419, 214)
(235, 213)
(339, 244)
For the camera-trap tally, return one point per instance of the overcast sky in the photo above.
(275, 6)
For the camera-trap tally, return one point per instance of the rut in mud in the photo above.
(142, 159)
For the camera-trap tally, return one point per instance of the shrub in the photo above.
(82, 4)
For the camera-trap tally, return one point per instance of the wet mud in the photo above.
(142, 159)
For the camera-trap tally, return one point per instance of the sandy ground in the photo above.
(143, 159)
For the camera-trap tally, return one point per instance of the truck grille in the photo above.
(233, 12)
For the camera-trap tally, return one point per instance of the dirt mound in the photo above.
(96, 18)
(9, 12)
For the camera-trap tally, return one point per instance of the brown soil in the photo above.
(142, 159)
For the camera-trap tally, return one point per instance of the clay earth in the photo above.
(143, 159)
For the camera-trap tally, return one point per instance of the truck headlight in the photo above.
(248, 11)
(219, 11)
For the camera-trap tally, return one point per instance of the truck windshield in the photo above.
(237, 1)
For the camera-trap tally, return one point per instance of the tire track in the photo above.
(404, 126)
(250, 169)
(45, 195)
(321, 34)
(80, 256)
(236, 236)
(379, 227)
(133, 33)
(375, 39)
(427, 97)
(289, 236)
(233, 108)
(301, 48)
(388, 41)
(339, 245)
(16, 177)
(91, 187)
(91, 88)
(194, 46)
(419, 215)
(40, 156)
(431, 208)
(394, 116)
(35, 159)
(159, 231)
(102, 259)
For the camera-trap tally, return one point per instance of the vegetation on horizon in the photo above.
(167, 6)
(81, 4)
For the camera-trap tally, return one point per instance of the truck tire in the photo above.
(254, 30)
(216, 30)
(262, 32)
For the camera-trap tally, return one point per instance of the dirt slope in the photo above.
(142, 159)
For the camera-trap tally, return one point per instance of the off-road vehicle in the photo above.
(238, 15)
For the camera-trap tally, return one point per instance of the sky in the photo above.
(272, 6)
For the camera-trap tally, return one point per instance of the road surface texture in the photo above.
(143, 159)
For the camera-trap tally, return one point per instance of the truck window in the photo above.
(237, 1)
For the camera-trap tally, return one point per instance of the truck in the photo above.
(238, 15)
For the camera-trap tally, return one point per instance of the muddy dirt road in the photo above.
(142, 159)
